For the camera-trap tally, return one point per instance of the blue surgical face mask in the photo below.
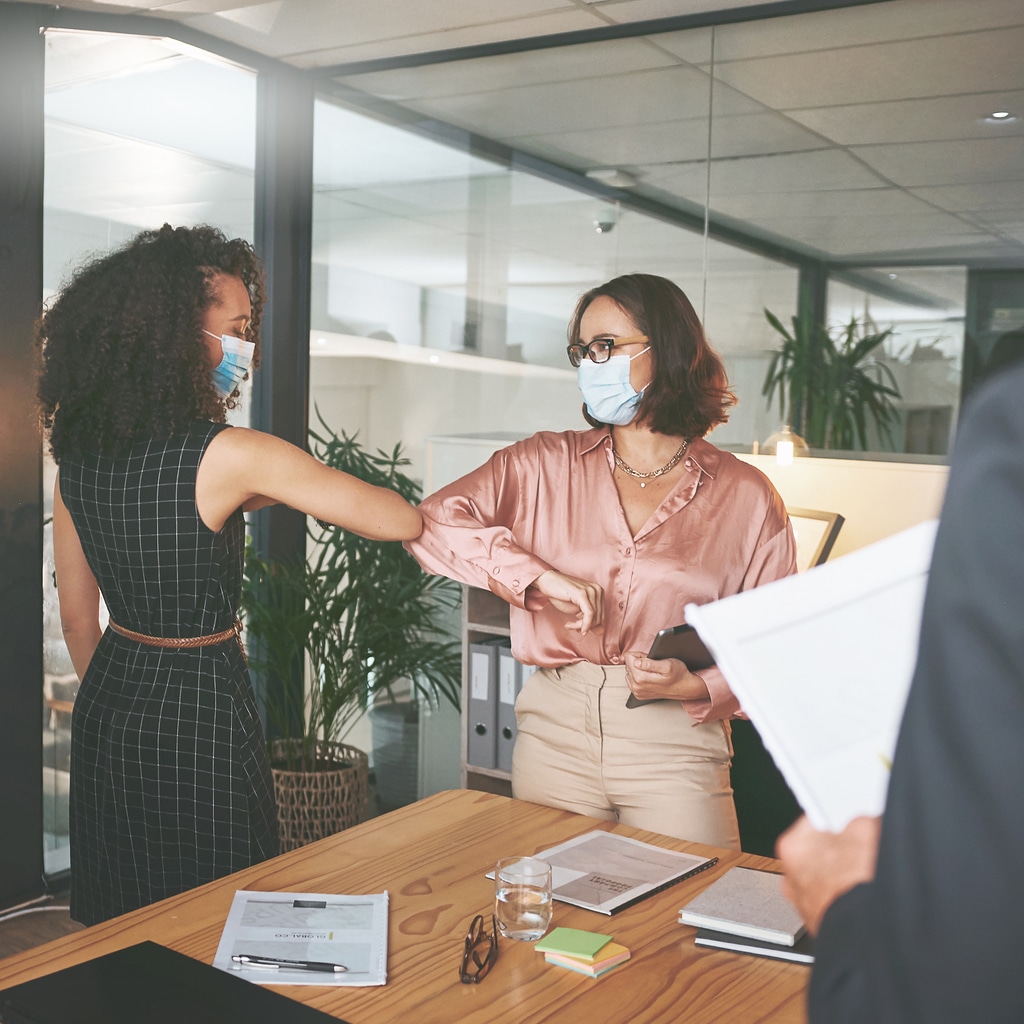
(606, 389)
(235, 361)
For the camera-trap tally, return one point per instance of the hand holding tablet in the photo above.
(680, 642)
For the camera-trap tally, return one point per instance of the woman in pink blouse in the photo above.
(597, 539)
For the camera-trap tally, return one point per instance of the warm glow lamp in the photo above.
(785, 446)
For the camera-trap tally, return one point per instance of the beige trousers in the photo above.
(580, 748)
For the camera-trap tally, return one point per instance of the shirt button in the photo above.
(496, 572)
(629, 551)
(515, 584)
(615, 659)
(622, 604)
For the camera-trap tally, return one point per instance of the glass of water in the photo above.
(522, 897)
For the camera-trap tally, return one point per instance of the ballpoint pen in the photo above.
(251, 960)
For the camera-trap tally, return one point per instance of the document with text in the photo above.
(294, 938)
(606, 872)
(822, 662)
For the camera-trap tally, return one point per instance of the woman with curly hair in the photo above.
(142, 354)
(598, 539)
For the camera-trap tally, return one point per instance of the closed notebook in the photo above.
(573, 942)
(746, 902)
(800, 953)
(149, 984)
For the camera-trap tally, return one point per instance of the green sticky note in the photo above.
(572, 942)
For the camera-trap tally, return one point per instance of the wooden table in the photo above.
(432, 857)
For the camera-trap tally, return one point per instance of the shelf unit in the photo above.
(484, 617)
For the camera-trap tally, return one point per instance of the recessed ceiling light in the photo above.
(612, 176)
(1000, 114)
(1001, 117)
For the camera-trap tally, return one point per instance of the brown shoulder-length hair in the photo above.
(121, 350)
(689, 391)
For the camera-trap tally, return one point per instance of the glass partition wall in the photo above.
(757, 164)
(430, 235)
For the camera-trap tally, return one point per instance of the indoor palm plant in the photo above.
(831, 386)
(363, 616)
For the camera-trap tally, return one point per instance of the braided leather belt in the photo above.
(181, 642)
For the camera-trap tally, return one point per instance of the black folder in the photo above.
(149, 984)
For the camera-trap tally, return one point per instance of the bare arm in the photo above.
(77, 591)
(820, 866)
(248, 469)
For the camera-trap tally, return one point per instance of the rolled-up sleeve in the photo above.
(468, 535)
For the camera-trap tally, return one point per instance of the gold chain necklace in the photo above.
(644, 477)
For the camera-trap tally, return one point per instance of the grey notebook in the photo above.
(149, 984)
(746, 902)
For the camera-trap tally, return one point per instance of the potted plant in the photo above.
(363, 617)
(830, 386)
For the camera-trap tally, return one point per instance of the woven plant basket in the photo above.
(315, 804)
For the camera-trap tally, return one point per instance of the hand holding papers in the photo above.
(821, 663)
(604, 871)
(292, 938)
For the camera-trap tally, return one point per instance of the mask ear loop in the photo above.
(641, 392)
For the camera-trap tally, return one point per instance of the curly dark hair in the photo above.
(689, 392)
(121, 349)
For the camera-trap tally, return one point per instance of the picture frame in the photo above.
(815, 533)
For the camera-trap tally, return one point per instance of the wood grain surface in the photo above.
(432, 857)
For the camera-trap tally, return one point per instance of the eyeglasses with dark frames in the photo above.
(600, 349)
(481, 951)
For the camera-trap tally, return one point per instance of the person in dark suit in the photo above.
(933, 927)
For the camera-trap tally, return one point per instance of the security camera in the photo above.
(605, 220)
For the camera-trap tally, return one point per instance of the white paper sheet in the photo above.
(821, 663)
(605, 872)
(327, 928)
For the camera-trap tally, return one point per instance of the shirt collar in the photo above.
(705, 456)
(591, 439)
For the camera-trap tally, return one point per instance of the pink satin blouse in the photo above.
(550, 502)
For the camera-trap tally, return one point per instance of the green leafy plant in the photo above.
(831, 386)
(362, 611)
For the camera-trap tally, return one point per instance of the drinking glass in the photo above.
(522, 897)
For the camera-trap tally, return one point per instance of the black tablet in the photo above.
(680, 642)
(149, 982)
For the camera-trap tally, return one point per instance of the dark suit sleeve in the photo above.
(938, 935)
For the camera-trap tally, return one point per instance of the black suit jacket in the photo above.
(938, 936)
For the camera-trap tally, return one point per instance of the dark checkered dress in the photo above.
(170, 781)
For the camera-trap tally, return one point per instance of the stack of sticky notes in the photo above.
(588, 953)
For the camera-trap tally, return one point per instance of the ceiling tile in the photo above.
(947, 163)
(920, 120)
(857, 26)
(511, 71)
(648, 96)
(937, 66)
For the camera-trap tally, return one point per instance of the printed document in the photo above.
(821, 663)
(604, 871)
(282, 929)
